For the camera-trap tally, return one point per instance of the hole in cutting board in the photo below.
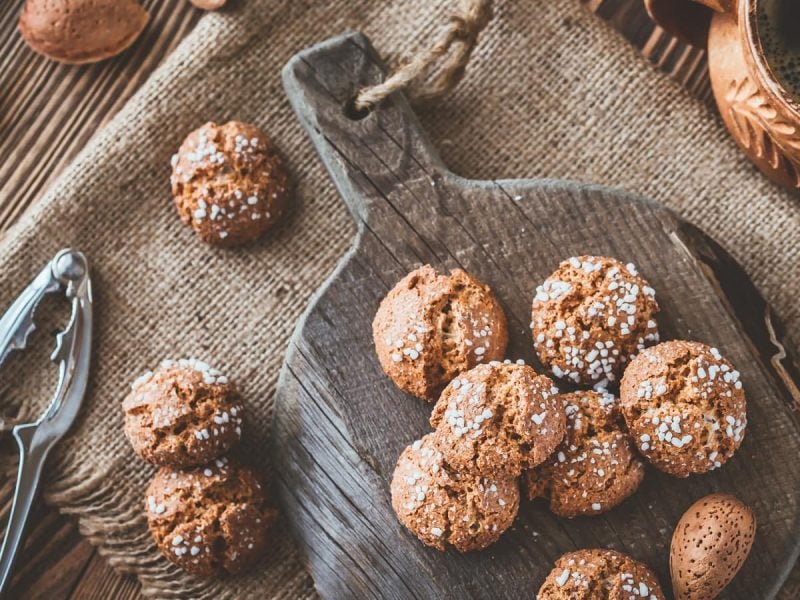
(354, 113)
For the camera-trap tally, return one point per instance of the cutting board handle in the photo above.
(381, 161)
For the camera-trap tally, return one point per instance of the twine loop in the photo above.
(458, 39)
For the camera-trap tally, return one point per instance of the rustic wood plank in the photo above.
(340, 424)
(54, 555)
(56, 561)
(101, 582)
(683, 62)
(49, 111)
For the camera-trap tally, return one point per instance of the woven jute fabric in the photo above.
(551, 91)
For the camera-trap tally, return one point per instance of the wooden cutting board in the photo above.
(340, 424)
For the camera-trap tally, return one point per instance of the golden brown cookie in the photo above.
(431, 327)
(598, 574)
(590, 317)
(443, 507)
(185, 413)
(498, 419)
(595, 467)
(209, 520)
(229, 183)
(684, 406)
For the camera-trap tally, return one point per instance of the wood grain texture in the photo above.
(48, 111)
(685, 63)
(340, 424)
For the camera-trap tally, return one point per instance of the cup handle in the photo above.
(687, 19)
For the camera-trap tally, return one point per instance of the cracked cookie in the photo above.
(431, 327)
(185, 413)
(590, 317)
(595, 468)
(209, 520)
(684, 406)
(443, 507)
(600, 575)
(498, 419)
(229, 183)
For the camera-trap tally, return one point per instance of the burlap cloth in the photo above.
(551, 92)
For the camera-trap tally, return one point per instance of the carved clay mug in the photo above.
(760, 107)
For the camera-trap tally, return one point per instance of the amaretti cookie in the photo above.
(595, 467)
(498, 419)
(443, 507)
(600, 575)
(229, 183)
(209, 520)
(431, 327)
(185, 413)
(590, 317)
(684, 406)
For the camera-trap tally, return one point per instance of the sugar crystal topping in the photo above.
(614, 309)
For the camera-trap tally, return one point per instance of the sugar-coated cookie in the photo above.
(498, 419)
(443, 507)
(184, 413)
(209, 520)
(229, 183)
(431, 327)
(600, 575)
(595, 467)
(590, 317)
(684, 406)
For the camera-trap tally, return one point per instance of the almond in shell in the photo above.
(709, 546)
(81, 31)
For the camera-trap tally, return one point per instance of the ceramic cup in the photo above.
(759, 104)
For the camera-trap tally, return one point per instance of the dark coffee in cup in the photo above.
(779, 33)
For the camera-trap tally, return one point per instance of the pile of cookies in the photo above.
(443, 338)
(458, 485)
(207, 513)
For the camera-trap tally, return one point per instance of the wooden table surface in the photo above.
(48, 112)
